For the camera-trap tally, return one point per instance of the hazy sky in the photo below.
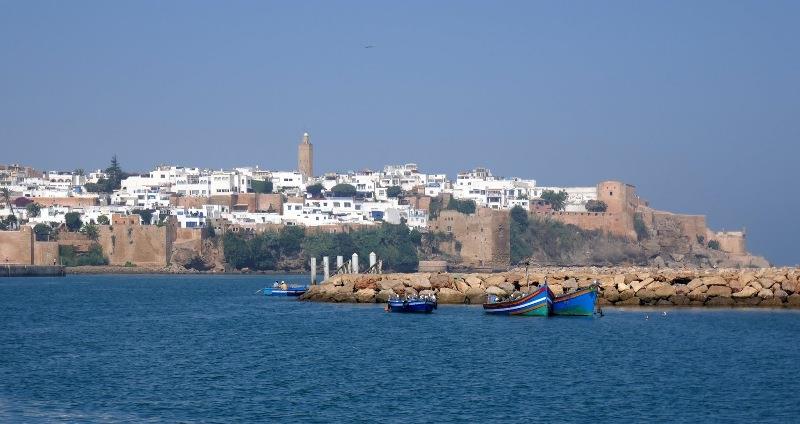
(695, 103)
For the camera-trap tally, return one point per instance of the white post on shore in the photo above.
(339, 263)
(313, 270)
(355, 263)
(373, 258)
(326, 268)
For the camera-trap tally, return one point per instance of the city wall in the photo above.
(483, 238)
(73, 202)
(20, 247)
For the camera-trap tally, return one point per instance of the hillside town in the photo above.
(174, 206)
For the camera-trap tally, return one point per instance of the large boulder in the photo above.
(439, 281)
(495, 280)
(611, 294)
(697, 282)
(745, 293)
(446, 295)
(570, 284)
(621, 287)
(665, 292)
(508, 287)
(745, 278)
(766, 282)
(368, 281)
(365, 296)
(789, 286)
(765, 294)
(344, 296)
(462, 286)
(384, 295)
(474, 281)
(497, 291)
(697, 295)
(646, 295)
(475, 296)
(680, 300)
(773, 302)
(389, 284)
(420, 284)
(780, 294)
(628, 278)
(627, 294)
(720, 291)
(637, 285)
(556, 289)
(715, 280)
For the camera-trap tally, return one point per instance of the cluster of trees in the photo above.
(260, 186)
(339, 190)
(464, 206)
(394, 244)
(596, 206)
(69, 257)
(558, 200)
(115, 176)
(521, 247)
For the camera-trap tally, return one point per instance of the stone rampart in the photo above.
(145, 245)
(616, 223)
(16, 247)
(482, 239)
(765, 287)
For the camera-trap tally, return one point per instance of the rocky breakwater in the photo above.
(766, 287)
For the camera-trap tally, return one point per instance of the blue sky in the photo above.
(695, 103)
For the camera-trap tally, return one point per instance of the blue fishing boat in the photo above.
(536, 303)
(284, 290)
(581, 302)
(422, 304)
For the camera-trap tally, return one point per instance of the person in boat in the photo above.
(284, 286)
(275, 285)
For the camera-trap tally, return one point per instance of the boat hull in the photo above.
(291, 291)
(537, 303)
(580, 303)
(411, 306)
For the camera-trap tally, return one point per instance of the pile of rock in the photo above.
(771, 287)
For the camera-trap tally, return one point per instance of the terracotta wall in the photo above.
(484, 237)
(74, 202)
(45, 253)
(16, 247)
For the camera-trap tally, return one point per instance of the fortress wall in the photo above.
(45, 253)
(619, 224)
(484, 236)
(16, 247)
(73, 202)
(145, 245)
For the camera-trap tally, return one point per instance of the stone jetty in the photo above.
(766, 287)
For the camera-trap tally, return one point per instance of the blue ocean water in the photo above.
(208, 349)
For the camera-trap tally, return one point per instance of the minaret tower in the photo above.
(305, 157)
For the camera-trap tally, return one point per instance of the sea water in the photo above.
(164, 348)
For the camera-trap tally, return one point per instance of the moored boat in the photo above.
(581, 302)
(422, 304)
(284, 290)
(536, 303)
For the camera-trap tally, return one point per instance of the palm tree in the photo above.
(5, 194)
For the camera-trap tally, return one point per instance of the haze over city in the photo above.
(695, 104)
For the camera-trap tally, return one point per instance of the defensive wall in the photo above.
(21, 248)
(72, 202)
(483, 238)
(250, 202)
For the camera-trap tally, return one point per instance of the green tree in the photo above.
(557, 200)
(596, 206)
(73, 221)
(713, 244)
(115, 175)
(43, 232)
(260, 186)
(10, 222)
(640, 227)
(103, 220)
(145, 214)
(237, 252)
(79, 172)
(521, 247)
(98, 187)
(315, 189)
(33, 210)
(466, 206)
(394, 191)
(91, 231)
(290, 239)
(5, 194)
(343, 190)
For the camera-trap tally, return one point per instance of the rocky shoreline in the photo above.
(763, 287)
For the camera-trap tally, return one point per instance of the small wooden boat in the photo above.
(285, 291)
(582, 302)
(424, 304)
(536, 303)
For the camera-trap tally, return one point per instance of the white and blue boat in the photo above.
(284, 290)
(421, 304)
